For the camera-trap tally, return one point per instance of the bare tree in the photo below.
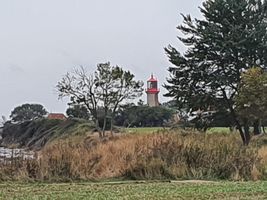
(81, 88)
(107, 88)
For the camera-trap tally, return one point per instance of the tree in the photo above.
(251, 100)
(3, 121)
(81, 88)
(115, 86)
(230, 39)
(78, 111)
(27, 112)
(106, 89)
(143, 116)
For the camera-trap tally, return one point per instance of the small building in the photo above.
(59, 116)
(152, 92)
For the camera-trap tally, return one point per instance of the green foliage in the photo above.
(251, 100)
(114, 85)
(231, 37)
(78, 111)
(143, 116)
(27, 112)
(145, 130)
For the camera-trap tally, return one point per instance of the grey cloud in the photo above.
(15, 68)
(43, 39)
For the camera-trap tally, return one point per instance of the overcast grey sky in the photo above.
(40, 40)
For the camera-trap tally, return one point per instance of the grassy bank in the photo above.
(214, 190)
(158, 156)
(37, 133)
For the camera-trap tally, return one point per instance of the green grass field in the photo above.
(219, 130)
(142, 130)
(131, 190)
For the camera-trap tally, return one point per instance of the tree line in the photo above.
(102, 97)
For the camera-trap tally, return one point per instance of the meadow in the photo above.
(143, 130)
(147, 130)
(134, 190)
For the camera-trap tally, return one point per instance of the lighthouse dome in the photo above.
(152, 79)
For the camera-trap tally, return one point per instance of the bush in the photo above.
(197, 157)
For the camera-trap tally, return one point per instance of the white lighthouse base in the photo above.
(152, 100)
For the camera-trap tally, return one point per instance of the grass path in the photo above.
(132, 190)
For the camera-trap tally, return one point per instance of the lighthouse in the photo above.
(152, 92)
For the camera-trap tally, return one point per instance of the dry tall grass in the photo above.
(150, 156)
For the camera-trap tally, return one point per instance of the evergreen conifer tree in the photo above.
(231, 38)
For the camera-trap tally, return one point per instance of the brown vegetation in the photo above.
(150, 156)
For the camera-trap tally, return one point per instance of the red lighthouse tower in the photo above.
(152, 92)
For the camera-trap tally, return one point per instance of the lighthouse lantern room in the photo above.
(152, 92)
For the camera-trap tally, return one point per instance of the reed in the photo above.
(163, 155)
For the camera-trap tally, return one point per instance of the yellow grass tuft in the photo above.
(150, 156)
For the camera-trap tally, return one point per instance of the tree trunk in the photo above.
(104, 126)
(256, 127)
(246, 131)
(244, 135)
(111, 125)
(263, 129)
(98, 128)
